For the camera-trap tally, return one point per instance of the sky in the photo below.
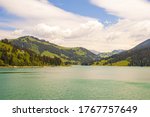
(101, 25)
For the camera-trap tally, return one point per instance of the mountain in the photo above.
(143, 45)
(95, 52)
(77, 55)
(117, 51)
(108, 54)
(14, 56)
(31, 51)
(137, 56)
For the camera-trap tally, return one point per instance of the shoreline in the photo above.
(67, 66)
(33, 66)
(20, 66)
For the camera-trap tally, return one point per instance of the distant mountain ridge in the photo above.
(31, 51)
(108, 54)
(137, 56)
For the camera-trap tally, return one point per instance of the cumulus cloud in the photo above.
(134, 25)
(128, 9)
(46, 21)
(39, 11)
(10, 34)
(128, 33)
(42, 19)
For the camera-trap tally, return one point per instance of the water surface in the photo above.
(75, 82)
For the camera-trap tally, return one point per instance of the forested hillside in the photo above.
(137, 56)
(11, 55)
(31, 51)
(76, 55)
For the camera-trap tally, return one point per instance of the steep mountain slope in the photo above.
(143, 45)
(68, 55)
(14, 56)
(137, 56)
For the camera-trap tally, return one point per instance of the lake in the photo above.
(75, 83)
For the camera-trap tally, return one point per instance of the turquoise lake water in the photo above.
(75, 83)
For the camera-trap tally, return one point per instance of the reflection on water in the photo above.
(76, 82)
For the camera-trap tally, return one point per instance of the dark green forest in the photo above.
(137, 56)
(11, 55)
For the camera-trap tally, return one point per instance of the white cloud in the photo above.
(57, 32)
(128, 33)
(10, 34)
(44, 20)
(40, 11)
(129, 9)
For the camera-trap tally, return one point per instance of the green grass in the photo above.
(60, 47)
(102, 62)
(47, 53)
(106, 63)
(78, 51)
(35, 48)
(62, 55)
(121, 63)
(81, 53)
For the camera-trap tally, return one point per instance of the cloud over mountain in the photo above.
(42, 19)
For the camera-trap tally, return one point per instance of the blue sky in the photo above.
(85, 8)
(6, 17)
(102, 25)
(80, 7)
